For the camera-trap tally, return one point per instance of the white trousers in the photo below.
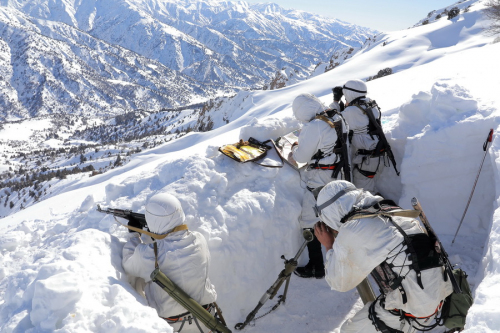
(366, 164)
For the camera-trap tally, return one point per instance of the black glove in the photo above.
(337, 93)
(134, 223)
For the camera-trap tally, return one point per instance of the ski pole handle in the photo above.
(488, 139)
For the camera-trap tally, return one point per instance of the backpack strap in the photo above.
(411, 249)
(389, 209)
(327, 120)
(152, 234)
(384, 207)
(319, 154)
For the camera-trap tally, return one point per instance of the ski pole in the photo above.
(485, 148)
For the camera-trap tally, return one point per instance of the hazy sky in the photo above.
(383, 15)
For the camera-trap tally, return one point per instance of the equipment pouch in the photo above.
(457, 305)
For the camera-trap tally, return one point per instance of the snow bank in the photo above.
(70, 278)
(443, 132)
(61, 259)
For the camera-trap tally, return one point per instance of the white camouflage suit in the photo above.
(183, 256)
(316, 134)
(358, 123)
(362, 245)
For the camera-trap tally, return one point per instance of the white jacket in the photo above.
(316, 134)
(358, 123)
(361, 245)
(183, 256)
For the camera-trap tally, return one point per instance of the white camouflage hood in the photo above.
(333, 213)
(163, 213)
(306, 106)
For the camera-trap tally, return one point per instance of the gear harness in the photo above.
(419, 250)
(336, 149)
(374, 129)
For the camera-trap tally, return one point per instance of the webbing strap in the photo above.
(155, 246)
(379, 324)
(318, 209)
(326, 120)
(152, 234)
(323, 166)
(396, 212)
(411, 249)
(352, 89)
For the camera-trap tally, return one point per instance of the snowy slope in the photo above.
(61, 260)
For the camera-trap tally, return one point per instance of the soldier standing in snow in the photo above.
(395, 250)
(362, 140)
(315, 146)
(183, 256)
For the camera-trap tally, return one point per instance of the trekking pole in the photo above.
(485, 148)
(290, 266)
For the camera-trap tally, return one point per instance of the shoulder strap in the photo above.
(326, 120)
(152, 234)
(388, 209)
(411, 249)
(382, 208)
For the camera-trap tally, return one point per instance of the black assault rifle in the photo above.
(380, 133)
(341, 147)
(125, 214)
(437, 245)
(344, 163)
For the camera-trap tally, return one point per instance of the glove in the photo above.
(134, 223)
(337, 93)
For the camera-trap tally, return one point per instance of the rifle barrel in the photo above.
(125, 214)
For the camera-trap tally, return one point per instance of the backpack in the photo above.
(341, 147)
(375, 128)
(456, 305)
(419, 246)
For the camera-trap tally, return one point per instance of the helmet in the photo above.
(163, 213)
(306, 106)
(347, 196)
(353, 89)
(338, 198)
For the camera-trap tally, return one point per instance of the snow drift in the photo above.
(61, 259)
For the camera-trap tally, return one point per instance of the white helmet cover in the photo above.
(353, 89)
(163, 213)
(306, 106)
(352, 198)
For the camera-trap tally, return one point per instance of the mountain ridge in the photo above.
(201, 50)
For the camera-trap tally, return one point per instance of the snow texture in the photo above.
(61, 259)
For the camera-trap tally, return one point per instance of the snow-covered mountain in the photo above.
(113, 56)
(60, 263)
(50, 67)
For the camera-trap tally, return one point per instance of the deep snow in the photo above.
(60, 263)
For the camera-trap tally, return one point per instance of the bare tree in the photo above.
(492, 12)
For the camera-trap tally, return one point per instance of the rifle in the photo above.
(284, 276)
(380, 133)
(342, 129)
(125, 214)
(345, 162)
(438, 246)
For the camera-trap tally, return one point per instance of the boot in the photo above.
(310, 271)
(315, 267)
